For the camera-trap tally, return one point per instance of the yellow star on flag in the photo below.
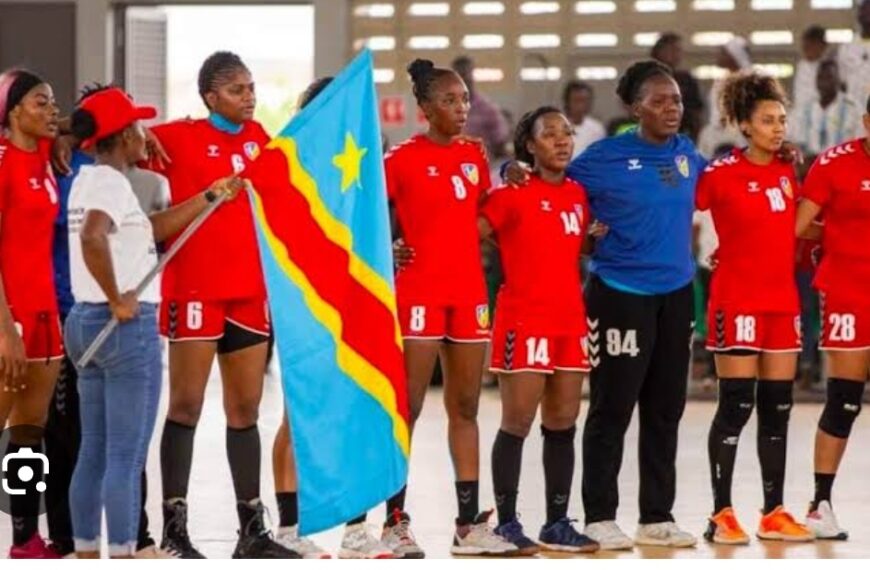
(348, 161)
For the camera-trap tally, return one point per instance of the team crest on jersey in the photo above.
(683, 165)
(471, 172)
(483, 316)
(785, 184)
(252, 150)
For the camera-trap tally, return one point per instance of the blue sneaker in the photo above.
(513, 532)
(562, 537)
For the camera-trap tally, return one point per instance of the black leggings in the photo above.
(639, 347)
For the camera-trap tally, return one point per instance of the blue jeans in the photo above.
(119, 391)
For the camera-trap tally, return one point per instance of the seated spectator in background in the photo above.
(814, 48)
(829, 119)
(485, 119)
(734, 57)
(578, 98)
(854, 58)
(669, 50)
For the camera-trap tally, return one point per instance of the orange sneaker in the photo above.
(723, 528)
(778, 524)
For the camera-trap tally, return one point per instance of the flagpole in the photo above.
(107, 330)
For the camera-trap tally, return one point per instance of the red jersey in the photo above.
(753, 209)
(839, 182)
(436, 190)
(221, 260)
(540, 229)
(28, 208)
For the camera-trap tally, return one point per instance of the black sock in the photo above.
(558, 470)
(824, 484)
(288, 509)
(467, 499)
(143, 538)
(396, 502)
(25, 508)
(774, 399)
(250, 517)
(243, 453)
(507, 459)
(360, 519)
(736, 397)
(176, 454)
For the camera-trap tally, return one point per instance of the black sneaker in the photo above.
(176, 542)
(255, 540)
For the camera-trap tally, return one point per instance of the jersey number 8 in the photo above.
(459, 188)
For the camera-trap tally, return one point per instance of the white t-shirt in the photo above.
(589, 131)
(854, 62)
(817, 129)
(131, 239)
(805, 91)
(150, 188)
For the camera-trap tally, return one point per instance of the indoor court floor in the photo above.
(431, 497)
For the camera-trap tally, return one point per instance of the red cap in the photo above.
(113, 111)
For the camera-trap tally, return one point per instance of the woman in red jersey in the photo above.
(434, 181)
(539, 341)
(754, 320)
(838, 188)
(214, 304)
(30, 336)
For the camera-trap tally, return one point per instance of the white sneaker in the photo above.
(358, 542)
(664, 534)
(479, 539)
(288, 537)
(608, 535)
(399, 538)
(823, 523)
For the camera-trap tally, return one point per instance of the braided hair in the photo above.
(744, 91)
(634, 78)
(424, 74)
(218, 68)
(525, 132)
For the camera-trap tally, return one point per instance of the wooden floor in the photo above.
(431, 498)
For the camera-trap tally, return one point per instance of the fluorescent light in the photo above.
(535, 8)
(483, 8)
(531, 41)
(429, 42)
(597, 73)
(381, 10)
(595, 7)
(429, 9)
(596, 40)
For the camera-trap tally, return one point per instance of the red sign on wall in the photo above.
(392, 111)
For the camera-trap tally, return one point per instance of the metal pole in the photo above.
(185, 235)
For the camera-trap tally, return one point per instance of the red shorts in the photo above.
(518, 350)
(41, 333)
(761, 332)
(182, 320)
(466, 323)
(844, 326)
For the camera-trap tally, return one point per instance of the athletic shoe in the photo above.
(35, 548)
(398, 537)
(823, 523)
(288, 537)
(255, 540)
(478, 539)
(358, 542)
(176, 542)
(608, 535)
(664, 534)
(723, 528)
(512, 531)
(778, 524)
(561, 536)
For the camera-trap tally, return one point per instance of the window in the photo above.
(483, 41)
(597, 73)
(429, 9)
(531, 41)
(596, 40)
(381, 10)
(595, 7)
(429, 42)
(772, 38)
(713, 5)
(376, 43)
(541, 74)
(483, 8)
(655, 5)
(535, 8)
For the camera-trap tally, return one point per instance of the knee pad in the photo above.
(842, 407)
(736, 400)
(774, 400)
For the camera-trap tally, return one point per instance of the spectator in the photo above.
(854, 58)
(829, 119)
(669, 50)
(814, 48)
(485, 119)
(733, 57)
(578, 98)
